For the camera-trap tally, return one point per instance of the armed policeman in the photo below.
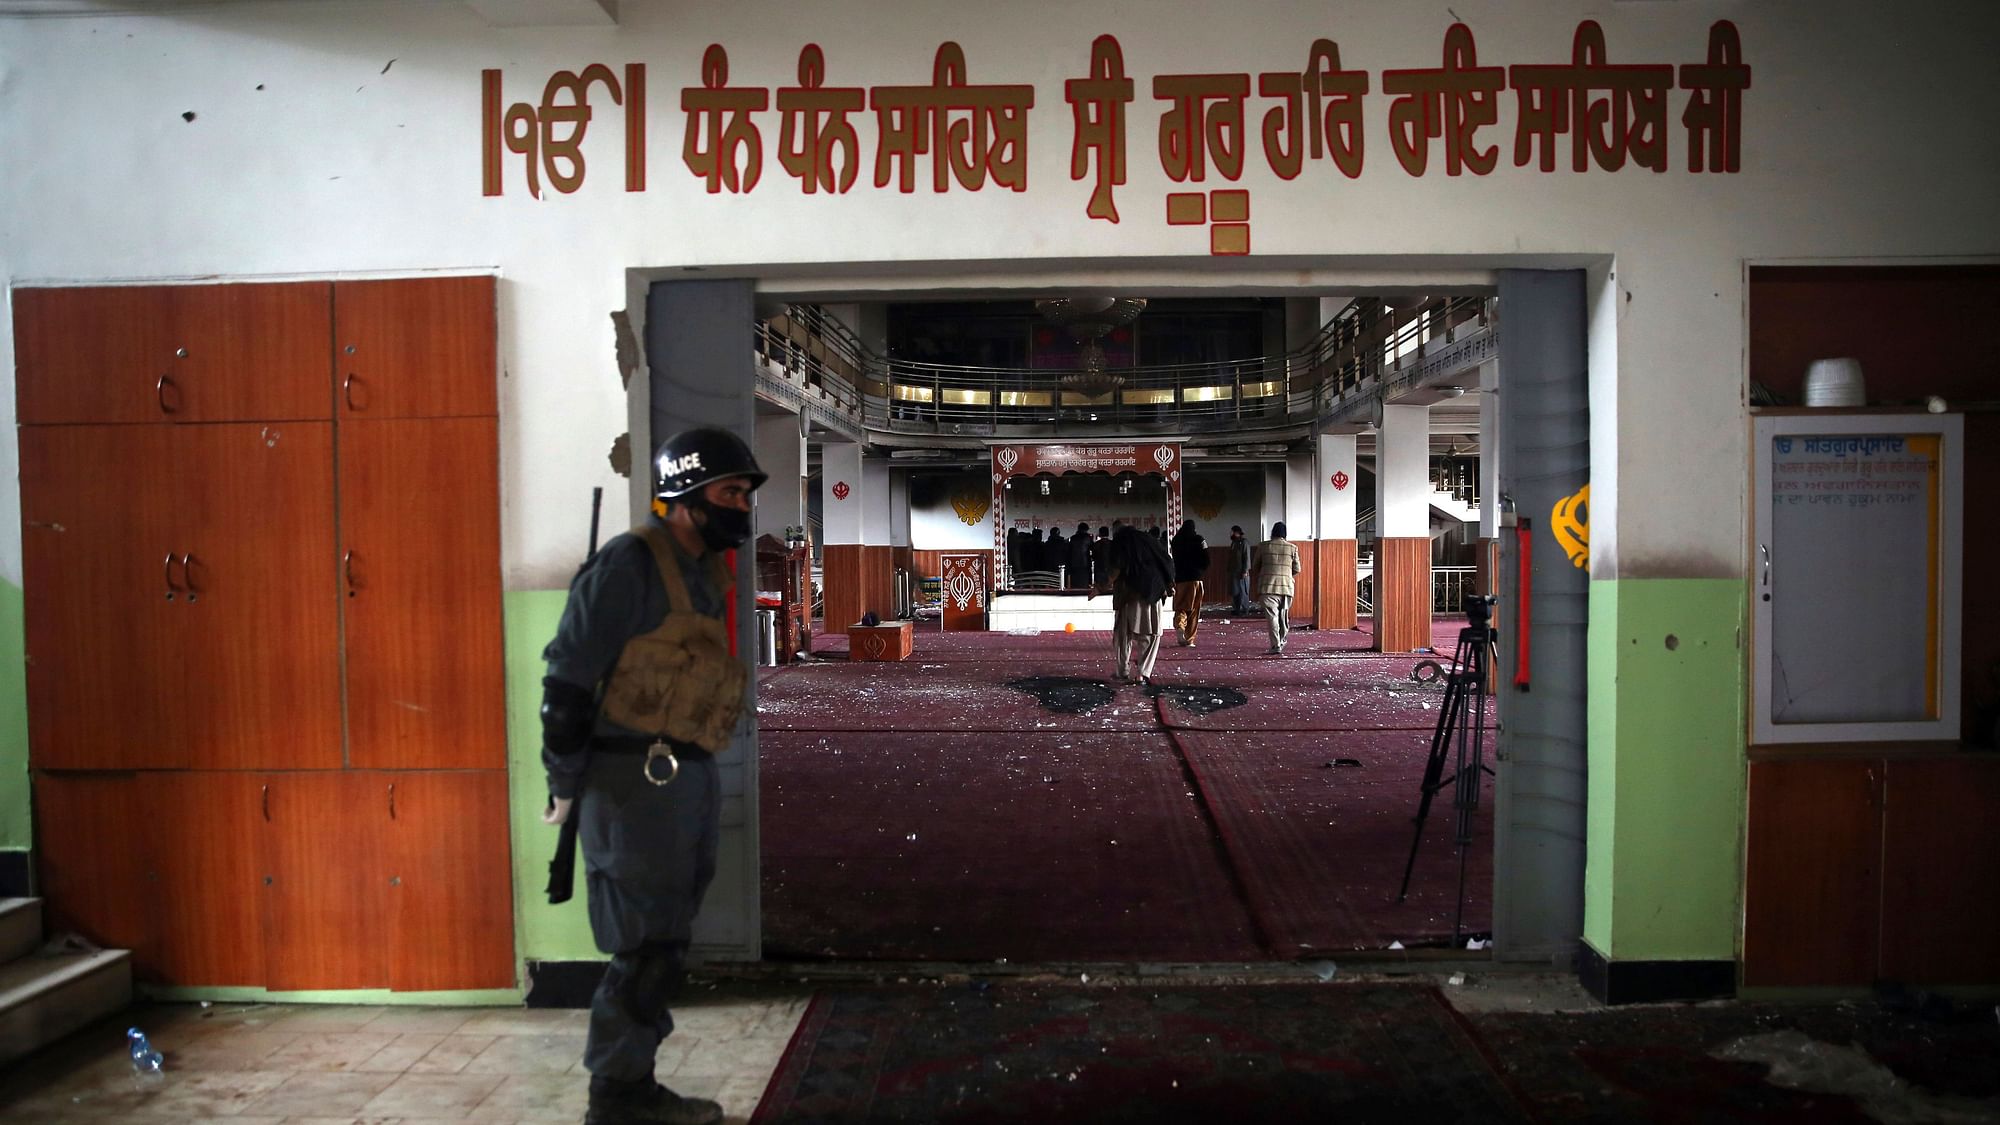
(641, 694)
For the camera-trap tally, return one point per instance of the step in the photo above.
(44, 997)
(20, 927)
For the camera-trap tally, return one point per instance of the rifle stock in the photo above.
(562, 868)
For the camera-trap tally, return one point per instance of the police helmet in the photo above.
(692, 458)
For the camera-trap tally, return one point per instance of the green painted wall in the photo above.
(542, 932)
(16, 834)
(1663, 878)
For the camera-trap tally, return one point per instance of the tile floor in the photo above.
(260, 1064)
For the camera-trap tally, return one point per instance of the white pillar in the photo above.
(1489, 450)
(1403, 473)
(1336, 502)
(1299, 496)
(899, 509)
(1273, 508)
(781, 452)
(841, 491)
(875, 501)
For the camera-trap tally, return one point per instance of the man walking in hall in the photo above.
(641, 694)
(1190, 552)
(1141, 575)
(1277, 563)
(1239, 571)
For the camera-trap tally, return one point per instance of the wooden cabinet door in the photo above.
(420, 543)
(206, 882)
(93, 354)
(1941, 870)
(1812, 887)
(106, 609)
(174, 353)
(325, 886)
(451, 919)
(263, 655)
(93, 850)
(415, 347)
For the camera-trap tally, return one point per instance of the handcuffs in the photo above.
(660, 749)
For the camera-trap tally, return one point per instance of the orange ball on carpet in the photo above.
(1069, 626)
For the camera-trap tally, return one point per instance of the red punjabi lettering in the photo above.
(991, 140)
(533, 131)
(1330, 118)
(1452, 101)
(1714, 116)
(1193, 131)
(1556, 99)
(1098, 105)
(707, 107)
(817, 116)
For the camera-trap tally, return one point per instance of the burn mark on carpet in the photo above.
(1200, 699)
(1065, 695)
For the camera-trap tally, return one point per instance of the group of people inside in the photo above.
(1142, 569)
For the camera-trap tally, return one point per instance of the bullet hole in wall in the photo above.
(188, 116)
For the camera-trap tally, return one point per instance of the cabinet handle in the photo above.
(347, 391)
(172, 588)
(392, 800)
(187, 576)
(160, 393)
(267, 802)
(347, 571)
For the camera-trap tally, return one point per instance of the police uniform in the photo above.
(642, 645)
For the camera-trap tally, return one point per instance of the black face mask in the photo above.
(723, 528)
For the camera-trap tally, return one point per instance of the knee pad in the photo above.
(647, 978)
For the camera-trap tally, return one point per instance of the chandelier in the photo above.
(1088, 320)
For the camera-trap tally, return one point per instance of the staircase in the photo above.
(45, 996)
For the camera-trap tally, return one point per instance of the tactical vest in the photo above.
(679, 681)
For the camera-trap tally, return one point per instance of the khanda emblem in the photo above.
(970, 506)
(1569, 520)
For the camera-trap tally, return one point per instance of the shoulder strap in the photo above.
(667, 561)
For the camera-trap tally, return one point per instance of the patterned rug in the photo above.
(974, 1055)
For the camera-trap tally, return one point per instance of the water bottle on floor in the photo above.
(145, 1060)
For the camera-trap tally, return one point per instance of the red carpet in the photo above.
(1030, 847)
(1321, 850)
(1247, 849)
(1138, 1055)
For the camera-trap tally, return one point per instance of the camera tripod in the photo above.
(1461, 732)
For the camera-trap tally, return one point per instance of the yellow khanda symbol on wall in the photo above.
(970, 505)
(1569, 520)
(1206, 498)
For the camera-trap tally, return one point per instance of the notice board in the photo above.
(1855, 577)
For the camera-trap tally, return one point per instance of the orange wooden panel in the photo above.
(263, 671)
(206, 877)
(326, 883)
(252, 352)
(420, 544)
(92, 837)
(963, 592)
(415, 347)
(1402, 594)
(1941, 870)
(1812, 882)
(1305, 582)
(878, 581)
(1333, 587)
(92, 354)
(104, 640)
(840, 585)
(451, 915)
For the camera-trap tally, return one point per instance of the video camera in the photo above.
(1479, 609)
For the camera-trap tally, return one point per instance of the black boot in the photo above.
(645, 1102)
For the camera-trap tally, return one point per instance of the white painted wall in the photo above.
(1402, 473)
(1301, 497)
(1865, 137)
(781, 452)
(1336, 505)
(843, 519)
(875, 520)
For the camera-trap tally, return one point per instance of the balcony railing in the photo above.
(823, 358)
